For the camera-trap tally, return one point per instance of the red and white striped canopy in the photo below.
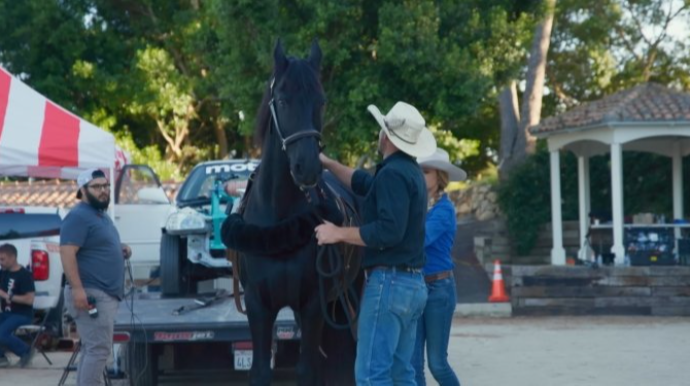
(38, 138)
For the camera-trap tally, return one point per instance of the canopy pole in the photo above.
(111, 208)
(557, 253)
(617, 202)
(584, 201)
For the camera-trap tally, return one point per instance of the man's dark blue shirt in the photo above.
(393, 212)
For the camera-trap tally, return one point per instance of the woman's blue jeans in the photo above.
(433, 330)
(392, 303)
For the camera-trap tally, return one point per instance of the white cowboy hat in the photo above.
(406, 128)
(441, 161)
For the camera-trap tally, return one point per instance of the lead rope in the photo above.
(345, 293)
(233, 256)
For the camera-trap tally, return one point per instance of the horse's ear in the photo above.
(279, 59)
(315, 55)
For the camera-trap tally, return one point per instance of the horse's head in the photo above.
(296, 109)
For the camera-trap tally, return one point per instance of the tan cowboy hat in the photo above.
(441, 161)
(406, 128)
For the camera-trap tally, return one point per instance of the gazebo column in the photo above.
(617, 202)
(584, 200)
(677, 184)
(557, 253)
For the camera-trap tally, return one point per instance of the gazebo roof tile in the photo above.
(643, 103)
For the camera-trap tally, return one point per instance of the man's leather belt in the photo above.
(398, 268)
(437, 276)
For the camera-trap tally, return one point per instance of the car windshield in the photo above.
(200, 182)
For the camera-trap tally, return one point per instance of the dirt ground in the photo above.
(563, 351)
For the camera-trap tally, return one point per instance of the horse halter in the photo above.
(290, 138)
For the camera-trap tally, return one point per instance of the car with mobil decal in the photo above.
(195, 311)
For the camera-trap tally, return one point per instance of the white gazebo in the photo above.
(646, 118)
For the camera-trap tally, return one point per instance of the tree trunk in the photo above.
(221, 138)
(534, 90)
(510, 116)
(523, 143)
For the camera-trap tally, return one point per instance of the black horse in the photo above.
(286, 199)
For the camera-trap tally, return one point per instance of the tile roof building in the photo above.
(645, 103)
(645, 118)
(51, 193)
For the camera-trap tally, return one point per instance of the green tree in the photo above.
(600, 47)
(184, 77)
(442, 57)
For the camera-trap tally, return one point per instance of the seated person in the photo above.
(16, 299)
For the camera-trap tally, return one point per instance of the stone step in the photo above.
(499, 225)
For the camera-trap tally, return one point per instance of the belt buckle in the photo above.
(408, 269)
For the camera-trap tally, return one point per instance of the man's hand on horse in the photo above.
(327, 233)
(325, 160)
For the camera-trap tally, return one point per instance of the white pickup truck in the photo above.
(34, 231)
(141, 209)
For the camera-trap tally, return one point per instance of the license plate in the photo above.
(243, 360)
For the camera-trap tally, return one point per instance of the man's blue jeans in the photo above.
(9, 322)
(392, 303)
(434, 330)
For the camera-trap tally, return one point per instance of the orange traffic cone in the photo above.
(498, 292)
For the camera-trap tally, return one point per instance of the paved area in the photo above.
(572, 351)
(564, 351)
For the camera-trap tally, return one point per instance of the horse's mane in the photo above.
(302, 73)
(263, 117)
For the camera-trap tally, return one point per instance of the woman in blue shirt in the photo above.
(433, 328)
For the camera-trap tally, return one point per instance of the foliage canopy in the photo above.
(185, 77)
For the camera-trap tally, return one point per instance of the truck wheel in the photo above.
(141, 365)
(56, 319)
(173, 257)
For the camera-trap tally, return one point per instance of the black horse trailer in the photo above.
(158, 338)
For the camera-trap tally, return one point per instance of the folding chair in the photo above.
(36, 333)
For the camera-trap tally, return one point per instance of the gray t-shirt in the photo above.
(100, 260)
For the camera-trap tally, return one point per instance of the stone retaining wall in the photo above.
(578, 290)
(479, 201)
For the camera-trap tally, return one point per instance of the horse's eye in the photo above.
(281, 102)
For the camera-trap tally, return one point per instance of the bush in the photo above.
(524, 198)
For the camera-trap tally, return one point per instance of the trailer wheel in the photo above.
(173, 256)
(141, 365)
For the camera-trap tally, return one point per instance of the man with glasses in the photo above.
(93, 260)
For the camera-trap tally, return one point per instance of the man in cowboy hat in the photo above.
(393, 215)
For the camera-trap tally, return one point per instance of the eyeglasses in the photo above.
(100, 187)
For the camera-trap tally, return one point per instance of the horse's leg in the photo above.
(261, 320)
(341, 349)
(309, 365)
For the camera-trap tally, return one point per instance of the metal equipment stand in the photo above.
(71, 366)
